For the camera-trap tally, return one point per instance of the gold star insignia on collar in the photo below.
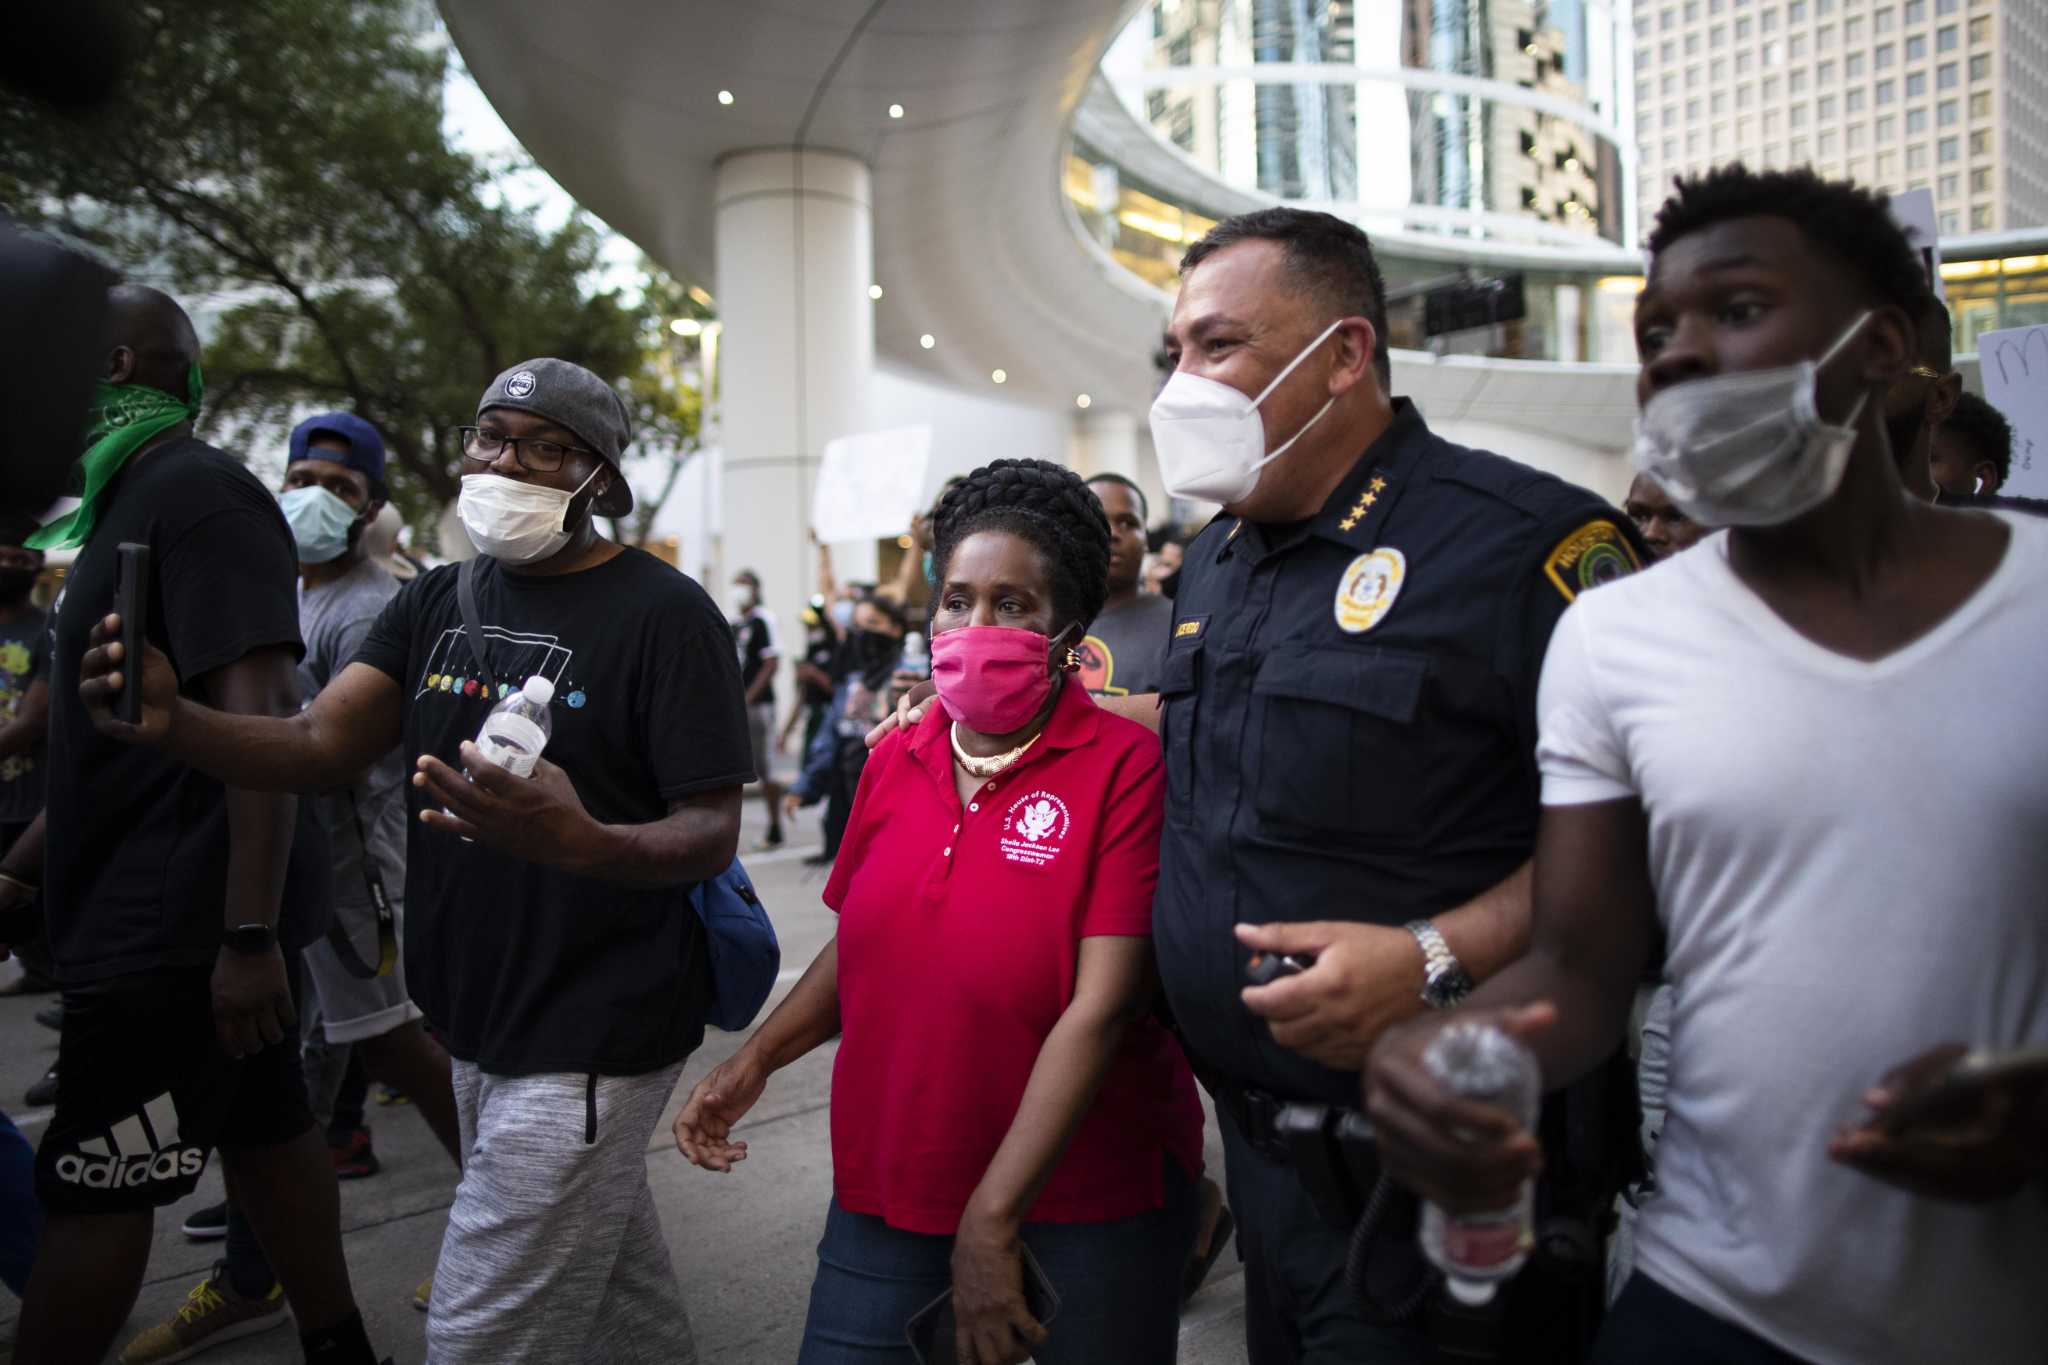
(1365, 500)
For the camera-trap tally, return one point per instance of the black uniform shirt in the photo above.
(1350, 715)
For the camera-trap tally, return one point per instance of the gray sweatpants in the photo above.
(554, 1251)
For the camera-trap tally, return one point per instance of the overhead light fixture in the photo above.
(927, 341)
(999, 376)
(725, 97)
(875, 292)
(686, 327)
(895, 111)
(1082, 400)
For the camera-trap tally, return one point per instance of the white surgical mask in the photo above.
(742, 601)
(1210, 438)
(515, 522)
(1750, 448)
(320, 523)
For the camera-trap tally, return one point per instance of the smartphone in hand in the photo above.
(131, 601)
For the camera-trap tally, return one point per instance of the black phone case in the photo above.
(931, 1327)
(131, 600)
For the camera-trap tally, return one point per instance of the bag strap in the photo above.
(472, 621)
(387, 919)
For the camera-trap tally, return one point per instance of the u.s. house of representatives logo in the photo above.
(1035, 829)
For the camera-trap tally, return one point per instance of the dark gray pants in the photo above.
(1298, 1309)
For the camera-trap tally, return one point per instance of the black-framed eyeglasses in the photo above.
(530, 453)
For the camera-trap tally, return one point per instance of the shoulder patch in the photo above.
(1596, 553)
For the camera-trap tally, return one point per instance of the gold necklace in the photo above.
(987, 767)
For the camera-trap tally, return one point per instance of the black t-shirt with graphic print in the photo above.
(528, 968)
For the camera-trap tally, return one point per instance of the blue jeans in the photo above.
(21, 1213)
(1118, 1282)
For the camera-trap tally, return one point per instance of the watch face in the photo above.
(1448, 987)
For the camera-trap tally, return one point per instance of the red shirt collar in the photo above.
(1074, 721)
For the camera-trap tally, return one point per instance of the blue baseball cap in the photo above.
(365, 453)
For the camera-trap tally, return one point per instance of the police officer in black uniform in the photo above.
(1348, 720)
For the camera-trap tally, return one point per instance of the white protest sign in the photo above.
(869, 485)
(2014, 364)
(1914, 211)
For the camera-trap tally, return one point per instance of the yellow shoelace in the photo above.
(203, 1299)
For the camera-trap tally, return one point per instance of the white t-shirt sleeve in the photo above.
(1577, 749)
(771, 646)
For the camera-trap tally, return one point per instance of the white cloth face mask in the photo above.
(1209, 437)
(1750, 448)
(512, 521)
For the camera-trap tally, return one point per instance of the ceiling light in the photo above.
(725, 97)
(927, 341)
(686, 327)
(1082, 400)
(999, 376)
(895, 111)
(875, 292)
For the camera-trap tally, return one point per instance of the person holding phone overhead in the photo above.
(1000, 1081)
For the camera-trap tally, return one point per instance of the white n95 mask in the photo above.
(1209, 437)
(515, 522)
(1748, 449)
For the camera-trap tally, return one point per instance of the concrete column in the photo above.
(795, 258)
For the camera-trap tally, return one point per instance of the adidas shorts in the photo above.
(147, 1093)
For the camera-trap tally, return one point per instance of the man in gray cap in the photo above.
(546, 931)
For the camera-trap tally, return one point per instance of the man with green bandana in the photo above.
(162, 888)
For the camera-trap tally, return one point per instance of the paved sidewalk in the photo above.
(744, 1244)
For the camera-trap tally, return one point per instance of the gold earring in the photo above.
(1073, 660)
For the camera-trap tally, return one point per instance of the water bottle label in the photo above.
(513, 743)
(1483, 1243)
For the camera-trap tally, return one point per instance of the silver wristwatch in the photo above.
(1445, 981)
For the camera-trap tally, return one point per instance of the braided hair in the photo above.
(1046, 505)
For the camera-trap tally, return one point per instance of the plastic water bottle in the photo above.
(1478, 1252)
(518, 728)
(917, 656)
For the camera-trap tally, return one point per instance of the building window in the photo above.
(1667, 51)
(1717, 36)
(1852, 65)
(1668, 20)
(1950, 150)
(1770, 90)
(1881, 22)
(1980, 29)
(1949, 114)
(1743, 29)
(1670, 116)
(1827, 142)
(1916, 121)
(1795, 46)
(1770, 24)
(1692, 11)
(1916, 11)
(1795, 13)
(1795, 83)
(1770, 122)
(1774, 53)
(1692, 110)
(1916, 84)
(1824, 38)
(1852, 30)
(1980, 217)
(1916, 48)
(1824, 109)
(1947, 39)
(1745, 132)
(1980, 142)
(1742, 62)
(1692, 44)
(1795, 117)
(1980, 104)
(1720, 102)
(1798, 151)
(1692, 144)
(1887, 127)
(1852, 101)
(1670, 148)
(1951, 224)
(1881, 56)
(1916, 158)
(1887, 165)
(1667, 84)
(1642, 26)
(1717, 70)
(1692, 78)
(1949, 186)
(1886, 91)
(1717, 139)
(1743, 94)
(1855, 137)
(1980, 66)
(1947, 6)
(1980, 180)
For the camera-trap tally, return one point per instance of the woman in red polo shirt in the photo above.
(1000, 1080)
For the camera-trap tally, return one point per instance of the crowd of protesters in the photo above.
(1672, 792)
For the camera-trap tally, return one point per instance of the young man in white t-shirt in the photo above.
(1742, 747)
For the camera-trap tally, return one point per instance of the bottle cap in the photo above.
(538, 690)
(1471, 1293)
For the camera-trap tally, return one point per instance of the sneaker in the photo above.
(207, 1224)
(354, 1159)
(819, 860)
(51, 1016)
(211, 1314)
(44, 1091)
(769, 844)
(424, 1295)
(30, 982)
(388, 1095)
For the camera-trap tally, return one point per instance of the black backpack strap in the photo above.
(472, 622)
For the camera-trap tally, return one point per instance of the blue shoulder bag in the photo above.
(745, 958)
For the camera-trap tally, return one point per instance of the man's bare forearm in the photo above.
(1591, 1011)
(24, 861)
(30, 724)
(349, 726)
(260, 828)
(692, 843)
(1492, 929)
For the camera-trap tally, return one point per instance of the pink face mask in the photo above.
(992, 679)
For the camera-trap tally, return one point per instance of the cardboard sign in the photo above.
(1914, 211)
(868, 485)
(2015, 369)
